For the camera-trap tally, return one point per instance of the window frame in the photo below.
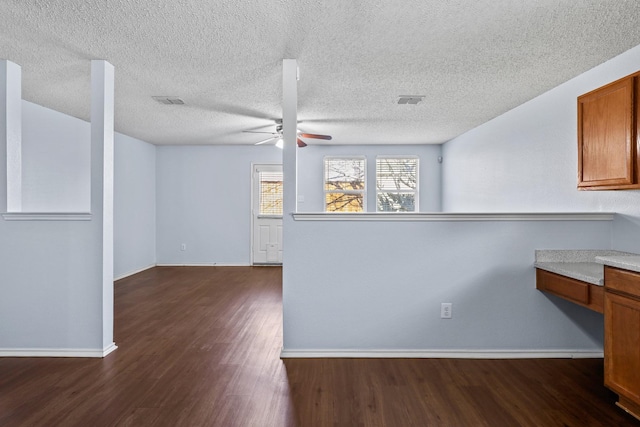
(324, 182)
(415, 192)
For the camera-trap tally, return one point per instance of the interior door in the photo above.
(267, 214)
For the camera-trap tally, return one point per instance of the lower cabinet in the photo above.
(620, 302)
(622, 337)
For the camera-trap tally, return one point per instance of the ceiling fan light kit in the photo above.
(264, 141)
(278, 137)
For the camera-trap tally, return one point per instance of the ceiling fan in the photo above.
(277, 135)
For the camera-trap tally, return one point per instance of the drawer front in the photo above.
(565, 287)
(622, 281)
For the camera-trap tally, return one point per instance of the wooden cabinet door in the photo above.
(622, 347)
(606, 136)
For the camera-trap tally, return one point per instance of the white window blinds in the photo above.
(396, 184)
(271, 193)
(344, 184)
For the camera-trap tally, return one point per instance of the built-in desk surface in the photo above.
(584, 265)
(625, 262)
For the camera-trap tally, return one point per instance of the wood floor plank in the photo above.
(199, 346)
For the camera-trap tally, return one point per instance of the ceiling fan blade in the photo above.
(257, 131)
(301, 143)
(315, 136)
(264, 141)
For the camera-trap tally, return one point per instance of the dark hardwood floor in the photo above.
(199, 346)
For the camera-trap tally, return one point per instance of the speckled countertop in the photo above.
(585, 265)
(627, 262)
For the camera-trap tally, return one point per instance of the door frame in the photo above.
(251, 213)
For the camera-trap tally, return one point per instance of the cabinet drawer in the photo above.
(579, 292)
(622, 281)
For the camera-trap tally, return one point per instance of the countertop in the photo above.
(626, 262)
(585, 265)
(590, 272)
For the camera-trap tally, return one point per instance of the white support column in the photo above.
(102, 134)
(290, 179)
(11, 136)
(289, 132)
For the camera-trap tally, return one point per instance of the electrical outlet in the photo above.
(446, 310)
(183, 247)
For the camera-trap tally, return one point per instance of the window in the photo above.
(344, 184)
(396, 184)
(270, 193)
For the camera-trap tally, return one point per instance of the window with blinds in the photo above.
(396, 184)
(344, 184)
(270, 193)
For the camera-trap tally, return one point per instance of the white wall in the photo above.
(204, 201)
(134, 205)
(310, 172)
(56, 154)
(375, 287)
(50, 277)
(370, 286)
(197, 206)
(526, 159)
(56, 178)
(49, 285)
(378, 285)
(50, 271)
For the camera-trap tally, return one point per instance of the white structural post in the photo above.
(289, 133)
(11, 135)
(290, 177)
(102, 135)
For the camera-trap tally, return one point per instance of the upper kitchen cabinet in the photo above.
(608, 152)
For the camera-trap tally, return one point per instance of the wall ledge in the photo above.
(444, 354)
(204, 264)
(47, 216)
(448, 217)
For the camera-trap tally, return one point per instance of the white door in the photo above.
(267, 214)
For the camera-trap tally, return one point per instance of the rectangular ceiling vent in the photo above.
(410, 99)
(169, 100)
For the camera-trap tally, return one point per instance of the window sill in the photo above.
(446, 217)
(47, 216)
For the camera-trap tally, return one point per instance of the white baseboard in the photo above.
(57, 352)
(207, 264)
(109, 349)
(443, 354)
(133, 272)
(212, 264)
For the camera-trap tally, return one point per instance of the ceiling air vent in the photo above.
(169, 100)
(410, 99)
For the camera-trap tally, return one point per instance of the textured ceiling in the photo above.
(472, 60)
